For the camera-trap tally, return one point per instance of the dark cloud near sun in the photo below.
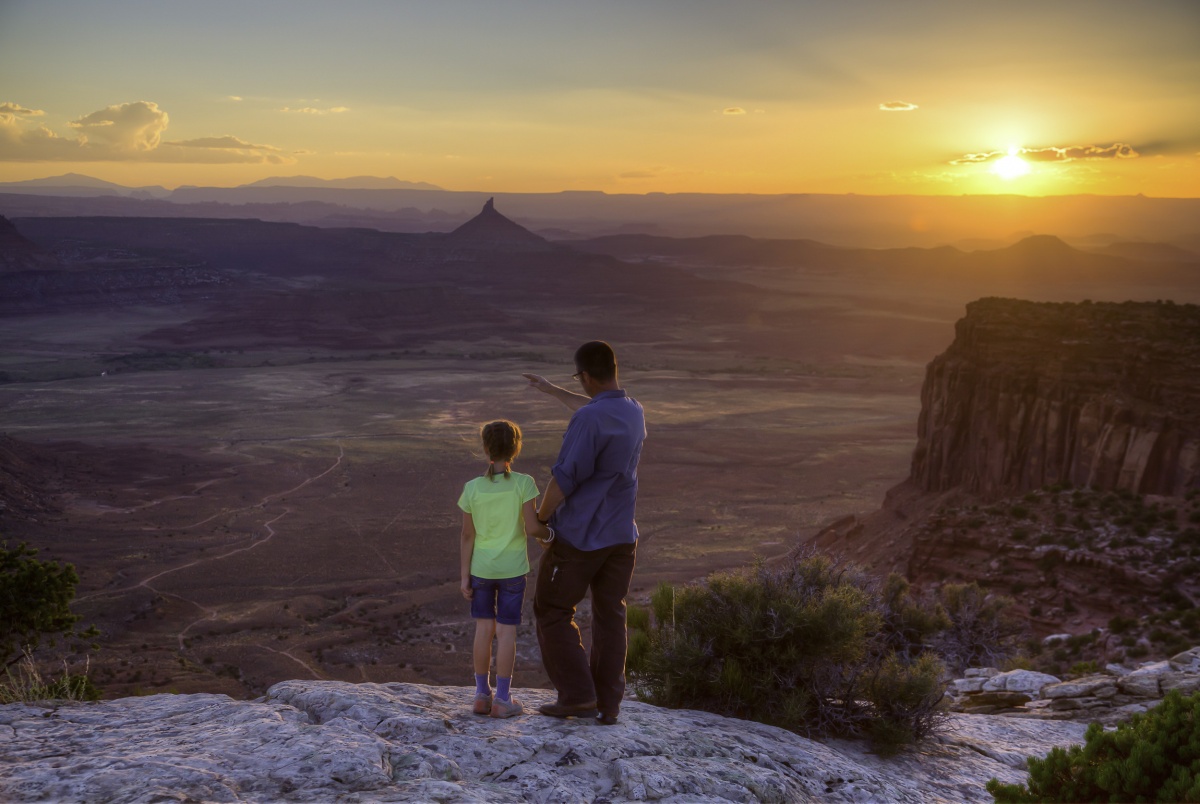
(1071, 153)
(123, 132)
(1170, 147)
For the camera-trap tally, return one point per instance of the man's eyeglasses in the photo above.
(577, 375)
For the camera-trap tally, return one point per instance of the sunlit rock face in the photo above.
(1035, 394)
(326, 741)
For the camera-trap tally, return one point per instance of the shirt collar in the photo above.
(617, 394)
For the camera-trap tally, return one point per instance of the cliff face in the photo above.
(1058, 463)
(1036, 394)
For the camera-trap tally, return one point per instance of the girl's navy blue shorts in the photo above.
(498, 599)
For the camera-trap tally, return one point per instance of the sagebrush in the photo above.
(813, 646)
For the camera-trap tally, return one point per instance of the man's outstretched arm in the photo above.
(571, 399)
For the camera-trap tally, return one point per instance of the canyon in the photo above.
(1057, 463)
(247, 436)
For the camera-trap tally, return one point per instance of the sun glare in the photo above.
(1011, 166)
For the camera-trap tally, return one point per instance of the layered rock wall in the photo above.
(1034, 394)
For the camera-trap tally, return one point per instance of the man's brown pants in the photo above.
(564, 577)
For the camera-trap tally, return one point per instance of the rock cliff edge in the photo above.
(1029, 394)
(324, 740)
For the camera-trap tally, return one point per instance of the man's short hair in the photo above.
(598, 359)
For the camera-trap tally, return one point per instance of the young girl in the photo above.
(498, 513)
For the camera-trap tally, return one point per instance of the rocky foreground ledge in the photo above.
(327, 740)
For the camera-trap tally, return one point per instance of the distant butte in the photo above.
(489, 229)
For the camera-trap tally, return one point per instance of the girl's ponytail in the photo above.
(501, 442)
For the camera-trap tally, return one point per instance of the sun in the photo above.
(1011, 166)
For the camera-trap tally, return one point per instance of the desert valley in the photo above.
(248, 435)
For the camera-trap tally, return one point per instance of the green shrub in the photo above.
(1120, 625)
(1080, 669)
(1153, 757)
(812, 646)
(637, 617)
(908, 625)
(35, 600)
(983, 630)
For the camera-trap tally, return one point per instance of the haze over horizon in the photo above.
(771, 97)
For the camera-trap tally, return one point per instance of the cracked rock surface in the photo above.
(326, 740)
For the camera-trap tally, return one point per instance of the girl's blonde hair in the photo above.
(502, 442)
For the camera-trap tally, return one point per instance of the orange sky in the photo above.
(861, 96)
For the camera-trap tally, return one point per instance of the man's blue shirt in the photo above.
(597, 471)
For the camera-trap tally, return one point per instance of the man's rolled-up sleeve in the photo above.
(577, 457)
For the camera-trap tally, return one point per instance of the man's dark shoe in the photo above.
(606, 719)
(569, 710)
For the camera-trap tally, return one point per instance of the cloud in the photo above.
(733, 110)
(312, 110)
(20, 143)
(236, 98)
(1118, 150)
(128, 132)
(1071, 153)
(223, 149)
(130, 127)
(898, 106)
(228, 141)
(12, 109)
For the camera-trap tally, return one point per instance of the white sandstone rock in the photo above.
(1029, 682)
(1153, 668)
(1188, 660)
(325, 740)
(981, 672)
(965, 686)
(1140, 686)
(1186, 683)
(1097, 686)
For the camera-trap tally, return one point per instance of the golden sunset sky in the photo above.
(858, 96)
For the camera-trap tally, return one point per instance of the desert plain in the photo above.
(243, 512)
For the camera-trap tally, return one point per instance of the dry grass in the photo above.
(23, 682)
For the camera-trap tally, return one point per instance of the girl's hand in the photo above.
(465, 589)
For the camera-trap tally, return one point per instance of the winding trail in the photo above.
(211, 614)
(316, 673)
(145, 583)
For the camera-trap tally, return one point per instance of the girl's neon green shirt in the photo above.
(495, 508)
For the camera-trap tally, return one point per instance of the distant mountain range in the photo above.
(391, 204)
(352, 183)
(79, 183)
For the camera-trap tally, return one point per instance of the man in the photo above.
(589, 507)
